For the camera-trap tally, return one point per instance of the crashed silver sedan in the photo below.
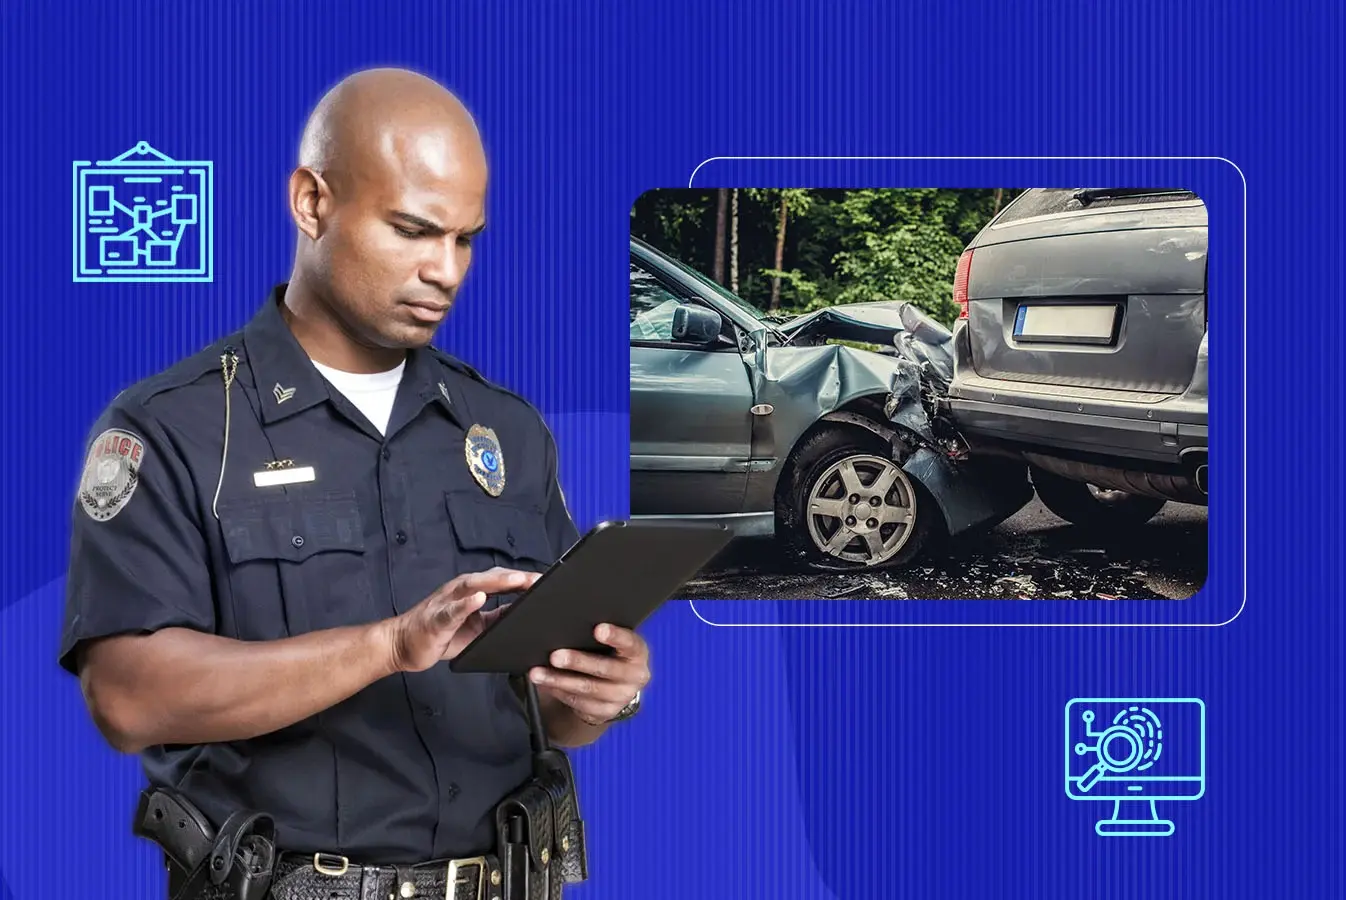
(846, 455)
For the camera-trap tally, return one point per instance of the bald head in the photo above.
(379, 113)
(389, 191)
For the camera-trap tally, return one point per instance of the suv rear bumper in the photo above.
(1098, 434)
(1099, 423)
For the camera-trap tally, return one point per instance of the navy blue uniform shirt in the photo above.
(410, 768)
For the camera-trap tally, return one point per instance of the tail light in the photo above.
(960, 282)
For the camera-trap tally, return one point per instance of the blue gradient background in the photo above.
(915, 762)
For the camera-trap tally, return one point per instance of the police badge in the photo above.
(111, 473)
(484, 459)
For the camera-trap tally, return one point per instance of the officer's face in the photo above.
(398, 240)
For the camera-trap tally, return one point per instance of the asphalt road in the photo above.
(1031, 556)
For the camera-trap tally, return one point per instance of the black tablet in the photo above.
(620, 573)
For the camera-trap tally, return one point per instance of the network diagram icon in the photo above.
(143, 216)
(1134, 752)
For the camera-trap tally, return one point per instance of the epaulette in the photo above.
(185, 371)
(459, 366)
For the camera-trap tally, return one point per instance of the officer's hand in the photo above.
(598, 687)
(441, 625)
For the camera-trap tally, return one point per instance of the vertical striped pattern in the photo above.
(915, 763)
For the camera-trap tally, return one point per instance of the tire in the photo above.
(816, 472)
(1079, 504)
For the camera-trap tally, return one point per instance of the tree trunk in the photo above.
(780, 255)
(721, 224)
(999, 192)
(733, 241)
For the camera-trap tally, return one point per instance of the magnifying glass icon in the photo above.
(1119, 750)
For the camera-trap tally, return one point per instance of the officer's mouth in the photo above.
(429, 313)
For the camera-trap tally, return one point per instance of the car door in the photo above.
(690, 422)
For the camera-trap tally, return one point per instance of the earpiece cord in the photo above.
(229, 367)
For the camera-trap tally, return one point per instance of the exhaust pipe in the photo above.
(1188, 487)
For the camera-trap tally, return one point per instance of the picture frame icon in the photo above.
(143, 216)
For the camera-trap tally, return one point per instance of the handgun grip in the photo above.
(176, 825)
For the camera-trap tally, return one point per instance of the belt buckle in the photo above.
(451, 878)
(337, 868)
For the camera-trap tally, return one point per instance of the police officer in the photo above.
(279, 540)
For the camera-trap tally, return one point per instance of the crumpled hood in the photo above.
(874, 323)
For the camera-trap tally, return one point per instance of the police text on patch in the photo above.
(111, 473)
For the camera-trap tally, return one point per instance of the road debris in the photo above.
(1032, 556)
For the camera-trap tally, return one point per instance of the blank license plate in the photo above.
(1087, 324)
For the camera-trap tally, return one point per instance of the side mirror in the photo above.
(696, 325)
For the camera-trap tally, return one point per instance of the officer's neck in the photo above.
(326, 340)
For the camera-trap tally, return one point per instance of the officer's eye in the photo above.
(465, 240)
(406, 233)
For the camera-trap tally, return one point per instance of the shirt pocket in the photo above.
(297, 564)
(489, 532)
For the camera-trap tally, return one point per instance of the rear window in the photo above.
(1050, 201)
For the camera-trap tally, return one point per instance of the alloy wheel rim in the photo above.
(861, 510)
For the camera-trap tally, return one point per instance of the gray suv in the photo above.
(1081, 348)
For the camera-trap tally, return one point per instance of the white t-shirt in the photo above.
(372, 394)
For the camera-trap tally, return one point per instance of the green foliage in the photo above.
(797, 292)
(860, 345)
(798, 201)
(840, 246)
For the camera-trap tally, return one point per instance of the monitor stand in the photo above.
(1136, 823)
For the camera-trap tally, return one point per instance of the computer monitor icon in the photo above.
(1134, 752)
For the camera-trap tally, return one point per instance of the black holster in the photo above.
(539, 832)
(234, 864)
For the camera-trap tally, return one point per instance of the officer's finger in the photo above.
(489, 616)
(627, 643)
(606, 667)
(595, 712)
(451, 613)
(582, 686)
(493, 581)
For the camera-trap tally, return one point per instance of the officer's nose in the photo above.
(446, 267)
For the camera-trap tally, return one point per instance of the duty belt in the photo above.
(540, 848)
(326, 876)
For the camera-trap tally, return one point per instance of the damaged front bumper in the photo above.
(810, 379)
(973, 493)
(970, 492)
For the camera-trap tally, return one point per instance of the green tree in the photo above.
(790, 203)
(802, 249)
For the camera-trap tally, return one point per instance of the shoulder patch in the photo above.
(111, 473)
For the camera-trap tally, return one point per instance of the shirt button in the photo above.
(387, 454)
(401, 537)
(297, 540)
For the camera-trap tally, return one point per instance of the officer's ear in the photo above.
(310, 200)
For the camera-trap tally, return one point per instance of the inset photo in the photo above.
(925, 393)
